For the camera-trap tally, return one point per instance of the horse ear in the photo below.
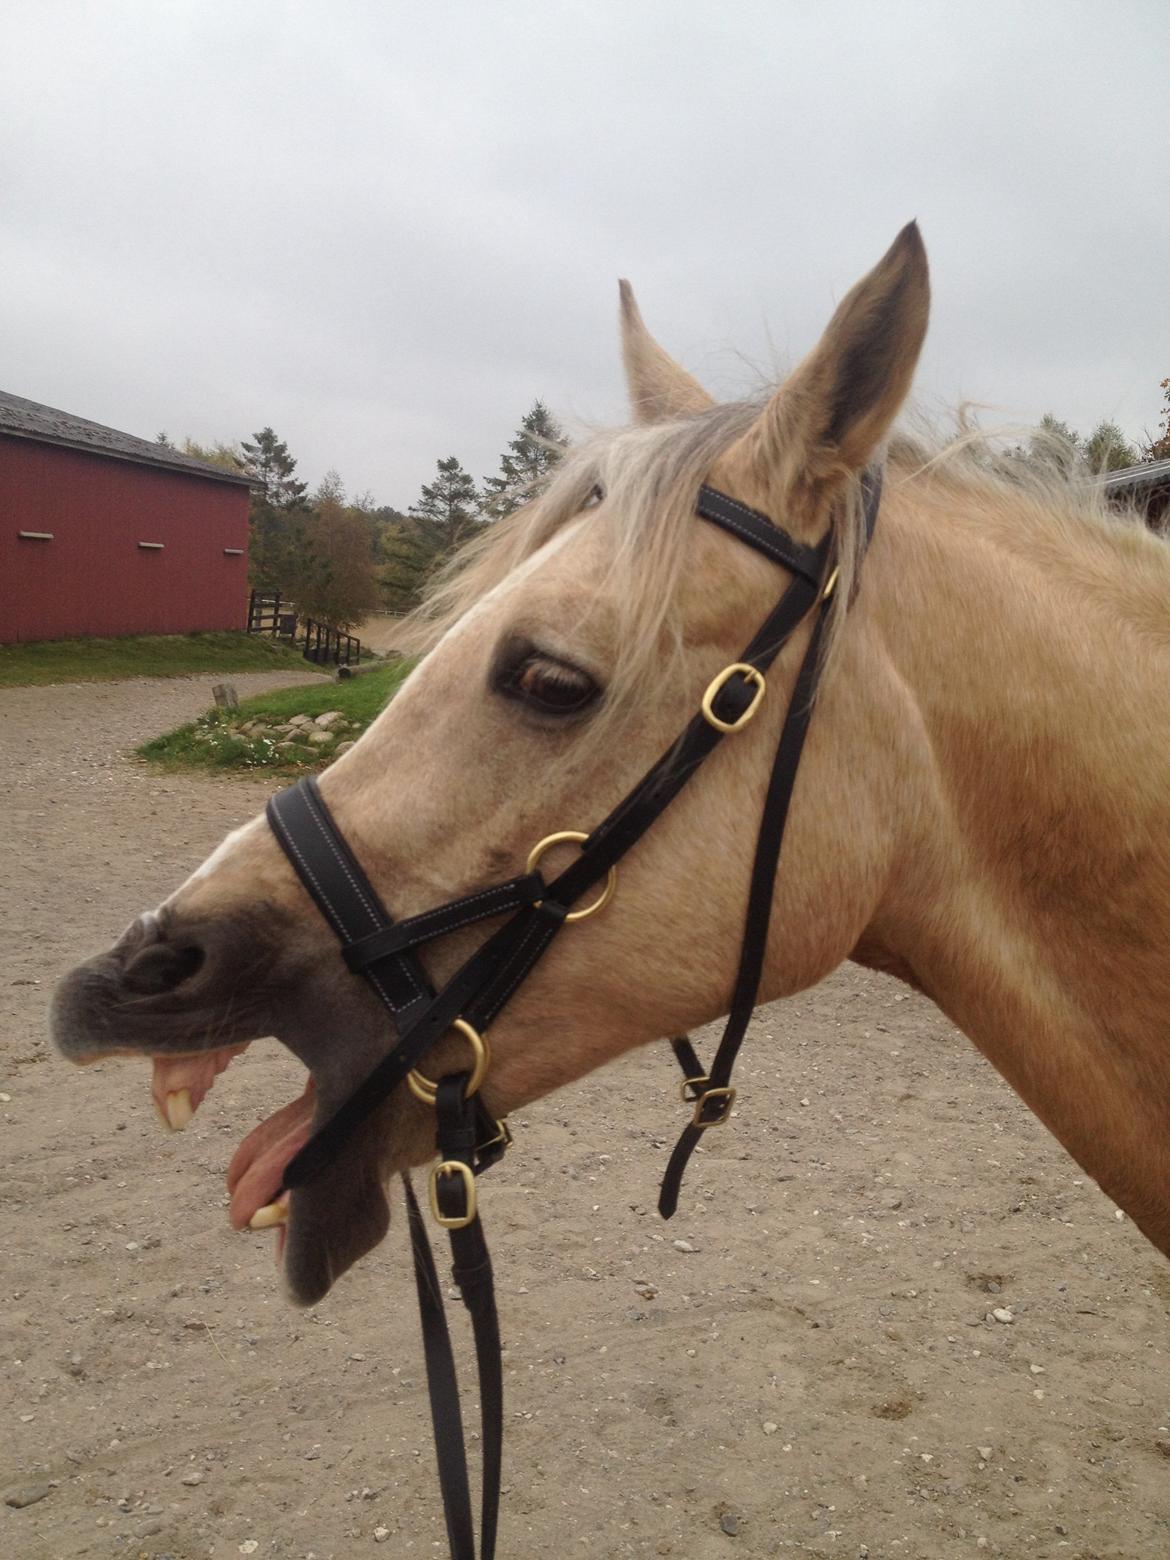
(659, 387)
(824, 424)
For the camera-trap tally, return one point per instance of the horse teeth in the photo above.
(269, 1216)
(179, 1109)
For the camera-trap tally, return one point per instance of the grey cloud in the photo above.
(385, 228)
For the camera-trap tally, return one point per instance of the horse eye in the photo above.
(595, 497)
(549, 686)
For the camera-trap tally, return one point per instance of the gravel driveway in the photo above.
(807, 1362)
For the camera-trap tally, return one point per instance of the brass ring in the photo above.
(425, 1089)
(458, 1221)
(715, 686)
(573, 837)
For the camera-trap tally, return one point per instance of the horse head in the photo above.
(564, 655)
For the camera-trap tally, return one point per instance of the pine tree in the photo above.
(269, 462)
(448, 511)
(1107, 449)
(276, 511)
(527, 463)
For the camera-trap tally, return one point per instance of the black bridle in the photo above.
(382, 951)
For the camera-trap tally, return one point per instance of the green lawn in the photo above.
(146, 655)
(216, 741)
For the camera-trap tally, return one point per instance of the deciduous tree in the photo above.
(1158, 447)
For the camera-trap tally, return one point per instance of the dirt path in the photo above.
(821, 1375)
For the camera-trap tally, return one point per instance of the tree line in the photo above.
(340, 557)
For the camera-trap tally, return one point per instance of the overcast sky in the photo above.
(385, 228)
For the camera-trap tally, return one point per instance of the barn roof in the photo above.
(1154, 473)
(30, 420)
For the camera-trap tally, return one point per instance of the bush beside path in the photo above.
(284, 731)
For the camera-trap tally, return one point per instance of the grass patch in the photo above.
(144, 655)
(271, 731)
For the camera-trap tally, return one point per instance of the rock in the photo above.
(684, 1245)
(300, 720)
(985, 1452)
(330, 718)
(344, 747)
(1002, 1314)
(27, 1495)
(320, 738)
(770, 1427)
(729, 1522)
(192, 1479)
(381, 1534)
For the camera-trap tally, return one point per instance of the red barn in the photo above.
(105, 533)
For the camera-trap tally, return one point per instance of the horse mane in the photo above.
(652, 475)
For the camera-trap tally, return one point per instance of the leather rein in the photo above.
(382, 951)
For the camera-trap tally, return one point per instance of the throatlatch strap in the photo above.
(758, 917)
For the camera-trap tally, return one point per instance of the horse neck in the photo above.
(1029, 890)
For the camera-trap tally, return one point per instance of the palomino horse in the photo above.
(981, 809)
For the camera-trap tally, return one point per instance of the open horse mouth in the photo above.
(131, 1002)
(180, 1084)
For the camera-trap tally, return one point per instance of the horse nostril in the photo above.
(160, 968)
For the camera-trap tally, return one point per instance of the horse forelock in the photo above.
(650, 476)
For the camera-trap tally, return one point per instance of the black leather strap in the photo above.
(382, 952)
(334, 879)
(417, 929)
(472, 1273)
(759, 532)
(756, 921)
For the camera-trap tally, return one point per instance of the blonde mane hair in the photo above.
(651, 475)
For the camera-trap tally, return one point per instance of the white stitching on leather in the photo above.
(370, 911)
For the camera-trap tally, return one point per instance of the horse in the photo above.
(981, 807)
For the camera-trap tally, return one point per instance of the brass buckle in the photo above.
(426, 1089)
(725, 1098)
(831, 583)
(691, 1089)
(502, 1139)
(716, 685)
(573, 837)
(446, 1169)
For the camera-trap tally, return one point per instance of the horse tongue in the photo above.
(257, 1167)
(180, 1084)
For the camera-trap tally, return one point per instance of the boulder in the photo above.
(330, 718)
